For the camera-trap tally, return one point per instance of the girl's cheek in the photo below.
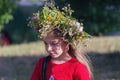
(59, 49)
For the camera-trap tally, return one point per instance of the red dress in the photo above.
(70, 70)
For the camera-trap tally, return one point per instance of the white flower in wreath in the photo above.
(79, 27)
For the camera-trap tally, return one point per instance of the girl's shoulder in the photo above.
(40, 61)
(77, 63)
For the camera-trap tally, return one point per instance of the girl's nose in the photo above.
(49, 48)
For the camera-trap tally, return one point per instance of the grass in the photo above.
(25, 49)
(104, 44)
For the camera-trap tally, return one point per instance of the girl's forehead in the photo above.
(51, 39)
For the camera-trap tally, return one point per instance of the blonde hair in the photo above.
(81, 57)
(74, 52)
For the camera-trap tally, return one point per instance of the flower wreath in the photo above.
(51, 17)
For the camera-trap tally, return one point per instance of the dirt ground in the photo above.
(106, 66)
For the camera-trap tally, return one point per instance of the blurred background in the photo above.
(20, 46)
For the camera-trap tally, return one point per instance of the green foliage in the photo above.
(6, 9)
(99, 16)
(17, 28)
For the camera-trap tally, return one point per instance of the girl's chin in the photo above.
(54, 56)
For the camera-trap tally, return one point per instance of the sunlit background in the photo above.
(20, 46)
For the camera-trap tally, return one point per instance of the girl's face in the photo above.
(55, 46)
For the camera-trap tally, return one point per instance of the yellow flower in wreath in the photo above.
(59, 16)
(81, 38)
(49, 17)
(55, 23)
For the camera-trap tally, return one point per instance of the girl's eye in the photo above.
(54, 43)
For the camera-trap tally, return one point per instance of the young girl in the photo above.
(63, 62)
